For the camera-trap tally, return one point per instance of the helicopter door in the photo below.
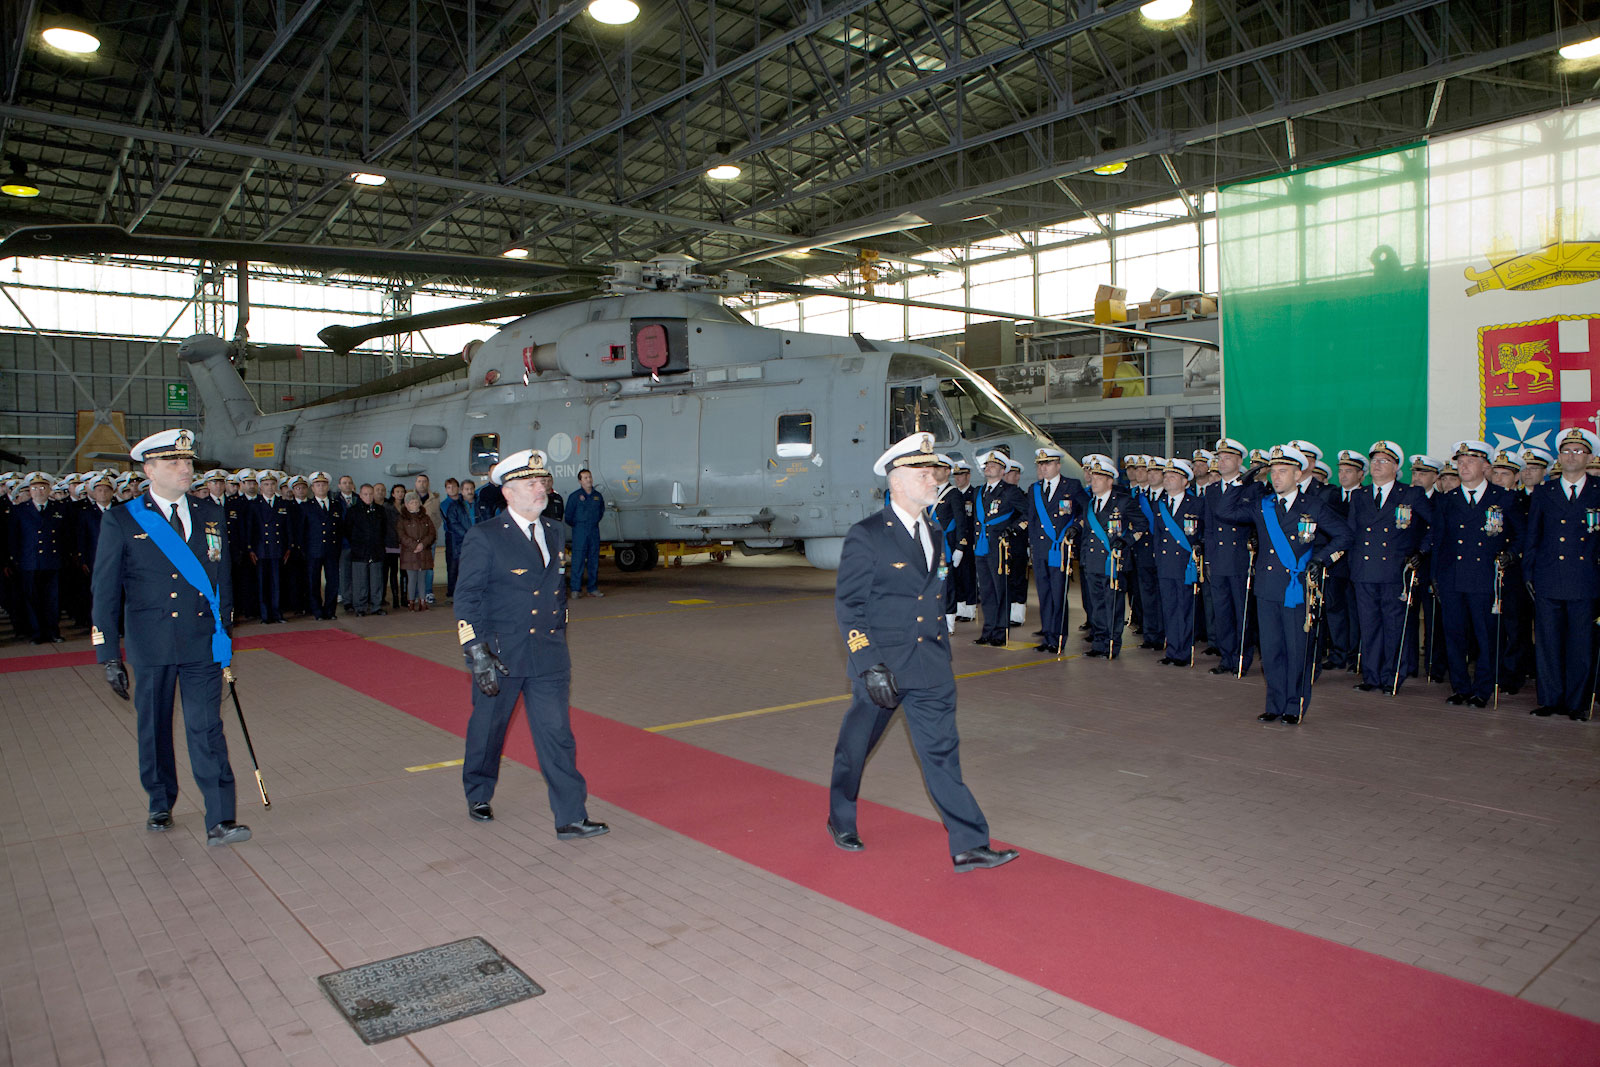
(793, 471)
(620, 449)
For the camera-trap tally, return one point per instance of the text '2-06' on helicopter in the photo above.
(696, 424)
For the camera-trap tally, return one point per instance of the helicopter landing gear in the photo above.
(636, 556)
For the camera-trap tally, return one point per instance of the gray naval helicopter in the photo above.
(697, 425)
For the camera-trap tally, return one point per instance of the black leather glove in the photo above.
(484, 665)
(117, 678)
(880, 686)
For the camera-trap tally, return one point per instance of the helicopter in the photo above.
(696, 424)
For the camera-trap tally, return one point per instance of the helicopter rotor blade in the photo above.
(84, 240)
(344, 338)
(812, 290)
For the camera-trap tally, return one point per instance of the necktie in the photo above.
(535, 535)
(177, 523)
(1572, 491)
(1472, 497)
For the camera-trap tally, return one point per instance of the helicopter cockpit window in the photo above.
(978, 413)
(795, 434)
(911, 409)
(484, 453)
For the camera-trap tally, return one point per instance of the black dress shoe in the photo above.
(1544, 711)
(1211, 650)
(1268, 716)
(1177, 663)
(380, 611)
(1457, 699)
(1578, 716)
(1291, 720)
(1044, 646)
(1513, 688)
(982, 856)
(1095, 653)
(1219, 670)
(850, 841)
(159, 821)
(1477, 702)
(1148, 644)
(999, 642)
(481, 811)
(980, 640)
(1365, 687)
(1040, 633)
(586, 828)
(227, 833)
(1164, 660)
(1083, 627)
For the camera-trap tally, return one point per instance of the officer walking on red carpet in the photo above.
(889, 605)
(511, 576)
(162, 563)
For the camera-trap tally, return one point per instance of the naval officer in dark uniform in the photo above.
(1559, 550)
(1056, 505)
(38, 543)
(890, 591)
(1177, 544)
(511, 577)
(1111, 523)
(1229, 554)
(1387, 522)
(163, 583)
(998, 507)
(1299, 534)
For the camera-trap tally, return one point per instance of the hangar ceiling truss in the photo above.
(525, 123)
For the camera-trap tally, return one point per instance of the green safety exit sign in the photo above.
(177, 396)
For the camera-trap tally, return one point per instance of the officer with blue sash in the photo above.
(1228, 550)
(270, 541)
(951, 523)
(163, 585)
(1559, 552)
(1472, 534)
(1388, 520)
(38, 545)
(892, 572)
(1056, 506)
(1299, 534)
(1111, 523)
(1176, 540)
(998, 506)
(511, 577)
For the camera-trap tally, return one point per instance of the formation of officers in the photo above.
(1480, 571)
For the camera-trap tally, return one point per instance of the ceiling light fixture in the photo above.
(1165, 10)
(1580, 49)
(613, 12)
(17, 183)
(1108, 169)
(70, 35)
(515, 253)
(723, 172)
(368, 179)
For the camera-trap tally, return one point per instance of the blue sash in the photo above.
(933, 520)
(1144, 506)
(983, 525)
(1295, 594)
(1049, 527)
(1099, 532)
(164, 537)
(1177, 534)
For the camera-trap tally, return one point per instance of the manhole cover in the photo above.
(404, 994)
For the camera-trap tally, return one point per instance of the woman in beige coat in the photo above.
(417, 535)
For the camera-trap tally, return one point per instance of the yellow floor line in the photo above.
(436, 766)
(833, 700)
(628, 615)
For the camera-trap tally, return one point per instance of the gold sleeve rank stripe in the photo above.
(465, 631)
(95, 636)
(857, 641)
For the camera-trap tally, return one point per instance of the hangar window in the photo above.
(485, 453)
(795, 434)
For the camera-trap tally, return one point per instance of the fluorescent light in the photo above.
(515, 253)
(613, 12)
(723, 172)
(1109, 169)
(1165, 10)
(798, 252)
(1580, 49)
(74, 41)
(13, 187)
(368, 179)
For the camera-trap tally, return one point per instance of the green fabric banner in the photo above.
(1324, 301)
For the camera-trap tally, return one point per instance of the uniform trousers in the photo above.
(1467, 620)
(1106, 611)
(269, 572)
(1234, 636)
(200, 685)
(545, 702)
(994, 589)
(293, 581)
(1516, 629)
(1051, 585)
(1017, 566)
(931, 719)
(1284, 644)
(246, 588)
(1381, 612)
(1179, 604)
(1341, 618)
(1563, 632)
(325, 602)
(585, 558)
(452, 554)
(1134, 592)
(41, 602)
(346, 580)
(1206, 624)
(1152, 618)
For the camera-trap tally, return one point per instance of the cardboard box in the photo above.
(1163, 309)
(1110, 304)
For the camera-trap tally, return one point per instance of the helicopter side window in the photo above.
(619, 431)
(484, 453)
(795, 434)
(911, 408)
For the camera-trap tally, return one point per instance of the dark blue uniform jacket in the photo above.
(889, 605)
(509, 597)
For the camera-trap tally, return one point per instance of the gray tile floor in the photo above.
(1462, 841)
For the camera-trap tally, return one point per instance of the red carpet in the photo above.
(243, 643)
(1236, 988)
